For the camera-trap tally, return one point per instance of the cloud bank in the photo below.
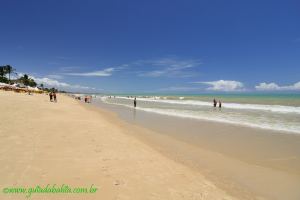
(276, 87)
(105, 72)
(168, 67)
(48, 82)
(224, 85)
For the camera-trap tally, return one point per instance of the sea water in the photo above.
(280, 112)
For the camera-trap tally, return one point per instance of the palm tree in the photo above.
(9, 70)
(26, 80)
(2, 71)
(2, 74)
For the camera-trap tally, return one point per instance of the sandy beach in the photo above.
(249, 163)
(149, 100)
(68, 143)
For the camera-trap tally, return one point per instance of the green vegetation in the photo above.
(5, 77)
(27, 81)
(4, 71)
(7, 70)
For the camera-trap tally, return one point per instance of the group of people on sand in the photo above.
(215, 103)
(88, 99)
(52, 96)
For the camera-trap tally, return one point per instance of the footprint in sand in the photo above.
(118, 182)
(105, 169)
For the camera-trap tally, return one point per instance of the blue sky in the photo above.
(154, 46)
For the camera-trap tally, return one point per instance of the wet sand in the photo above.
(75, 144)
(247, 162)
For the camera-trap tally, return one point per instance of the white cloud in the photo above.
(55, 76)
(224, 85)
(48, 82)
(274, 86)
(267, 86)
(105, 72)
(168, 67)
(69, 69)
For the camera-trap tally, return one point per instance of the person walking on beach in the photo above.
(215, 103)
(220, 104)
(134, 102)
(54, 96)
(51, 96)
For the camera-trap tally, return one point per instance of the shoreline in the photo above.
(267, 117)
(212, 121)
(268, 156)
(68, 143)
(232, 176)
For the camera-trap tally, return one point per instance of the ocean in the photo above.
(279, 112)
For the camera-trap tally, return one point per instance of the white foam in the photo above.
(270, 108)
(224, 118)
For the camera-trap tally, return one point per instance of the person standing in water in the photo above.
(220, 104)
(134, 102)
(215, 103)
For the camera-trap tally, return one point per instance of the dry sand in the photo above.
(67, 143)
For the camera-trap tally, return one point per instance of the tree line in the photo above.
(6, 71)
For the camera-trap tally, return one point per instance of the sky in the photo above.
(157, 46)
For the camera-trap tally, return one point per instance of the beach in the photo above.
(128, 153)
(150, 100)
(69, 143)
(247, 162)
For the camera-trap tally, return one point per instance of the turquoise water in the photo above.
(255, 98)
(280, 112)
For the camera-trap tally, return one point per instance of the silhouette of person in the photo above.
(215, 103)
(134, 102)
(54, 96)
(51, 96)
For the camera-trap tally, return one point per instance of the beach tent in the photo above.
(37, 89)
(20, 85)
(8, 87)
(34, 89)
(3, 85)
